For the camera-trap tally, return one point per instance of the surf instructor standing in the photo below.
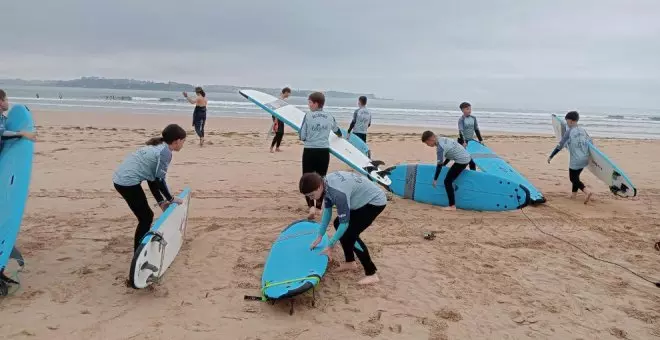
(199, 114)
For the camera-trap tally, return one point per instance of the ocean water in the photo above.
(622, 123)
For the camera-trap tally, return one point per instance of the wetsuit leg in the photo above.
(574, 176)
(359, 221)
(452, 174)
(137, 201)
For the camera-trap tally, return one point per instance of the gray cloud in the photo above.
(525, 52)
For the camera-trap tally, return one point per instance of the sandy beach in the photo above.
(485, 276)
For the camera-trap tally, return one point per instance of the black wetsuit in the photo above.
(199, 120)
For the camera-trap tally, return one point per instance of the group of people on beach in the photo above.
(357, 199)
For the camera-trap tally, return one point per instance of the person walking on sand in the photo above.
(448, 150)
(576, 140)
(149, 163)
(315, 132)
(199, 114)
(7, 134)
(361, 120)
(278, 125)
(358, 201)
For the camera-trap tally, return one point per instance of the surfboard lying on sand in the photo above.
(601, 165)
(474, 190)
(357, 143)
(489, 162)
(340, 147)
(292, 268)
(160, 246)
(15, 171)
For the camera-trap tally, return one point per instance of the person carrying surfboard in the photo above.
(149, 163)
(468, 128)
(361, 120)
(199, 114)
(7, 134)
(358, 201)
(278, 125)
(447, 150)
(314, 132)
(576, 140)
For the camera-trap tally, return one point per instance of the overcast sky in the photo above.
(538, 53)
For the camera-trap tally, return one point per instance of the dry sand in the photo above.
(486, 275)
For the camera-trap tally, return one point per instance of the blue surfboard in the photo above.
(489, 162)
(15, 171)
(357, 143)
(291, 267)
(474, 190)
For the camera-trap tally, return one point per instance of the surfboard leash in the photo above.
(656, 283)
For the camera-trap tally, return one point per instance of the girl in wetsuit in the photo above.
(358, 201)
(199, 114)
(278, 125)
(149, 163)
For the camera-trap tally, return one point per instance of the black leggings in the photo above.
(137, 201)
(574, 176)
(452, 174)
(315, 160)
(199, 127)
(277, 140)
(360, 220)
(472, 165)
(362, 136)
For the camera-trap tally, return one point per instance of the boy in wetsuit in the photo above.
(4, 133)
(278, 125)
(315, 132)
(361, 120)
(358, 201)
(576, 140)
(468, 128)
(448, 150)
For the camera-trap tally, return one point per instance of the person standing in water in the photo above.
(149, 163)
(468, 128)
(278, 125)
(361, 120)
(7, 134)
(199, 114)
(315, 132)
(576, 140)
(358, 201)
(448, 150)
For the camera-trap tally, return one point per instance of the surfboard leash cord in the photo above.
(656, 283)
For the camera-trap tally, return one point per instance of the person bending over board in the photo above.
(7, 134)
(199, 114)
(448, 150)
(149, 163)
(468, 128)
(361, 120)
(278, 125)
(359, 201)
(577, 141)
(314, 132)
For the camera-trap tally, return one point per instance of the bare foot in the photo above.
(573, 195)
(278, 150)
(452, 208)
(586, 199)
(347, 266)
(271, 150)
(368, 280)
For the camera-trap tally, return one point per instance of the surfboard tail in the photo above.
(526, 200)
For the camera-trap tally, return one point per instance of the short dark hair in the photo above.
(286, 90)
(363, 100)
(309, 182)
(427, 135)
(200, 90)
(318, 98)
(3, 94)
(170, 133)
(464, 105)
(573, 115)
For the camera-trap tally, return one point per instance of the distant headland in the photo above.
(133, 84)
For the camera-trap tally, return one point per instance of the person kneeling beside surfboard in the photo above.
(448, 150)
(359, 201)
(577, 141)
(149, 163)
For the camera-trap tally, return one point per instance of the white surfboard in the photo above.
(340, 147)
(161, 245)
(601, 165)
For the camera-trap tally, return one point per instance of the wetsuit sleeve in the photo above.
(155, 190)
(343, 214)
(438, 169)
(325, 219)
(303, 129)
(476, 130)
(164, 160)
(335, 127)
(461, 127)
(350, 128)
